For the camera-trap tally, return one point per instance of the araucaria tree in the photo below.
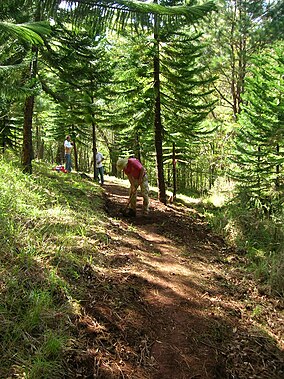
(19, 39)
(156, 18)
(260, 140)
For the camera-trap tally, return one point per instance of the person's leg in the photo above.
(68, 162)
(145, 194)
(101, 171)
(133, 194)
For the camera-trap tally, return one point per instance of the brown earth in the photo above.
(172, 301)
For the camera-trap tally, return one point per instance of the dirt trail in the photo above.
(174, 303)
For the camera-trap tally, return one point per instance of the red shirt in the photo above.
(133, 168)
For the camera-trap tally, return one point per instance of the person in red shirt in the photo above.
(137, 176)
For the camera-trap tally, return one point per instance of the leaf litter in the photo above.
(173, 302)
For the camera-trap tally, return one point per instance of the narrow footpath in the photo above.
(175, 302)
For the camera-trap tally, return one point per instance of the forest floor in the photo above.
(174, 302)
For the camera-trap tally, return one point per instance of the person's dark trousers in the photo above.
(100, 173)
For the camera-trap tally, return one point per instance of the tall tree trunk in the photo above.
(174, 172)
(157, 122)
(27, 152)
(75, 156)
(3, 123)
(39, 143)
(94, 148)
(239, 48)
(277, 179)
(59, 157)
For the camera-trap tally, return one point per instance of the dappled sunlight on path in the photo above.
(172, 301)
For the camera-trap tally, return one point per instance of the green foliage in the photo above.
(259, 143)
(233, 35)
(185, 85)
(261, 239)
(186, 96)
(274, 21)
(78, 84)
(119, 13)
(30, 32)
(76, 67)
(41, 254)
(17, 41)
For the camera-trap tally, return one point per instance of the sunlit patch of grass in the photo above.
(59, 213)
(124, 182)
(218, 200)
(189, 200)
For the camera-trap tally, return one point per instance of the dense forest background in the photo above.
(194, 91)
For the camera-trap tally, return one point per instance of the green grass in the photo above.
(247, 229)
(49, 225)
(261, 237)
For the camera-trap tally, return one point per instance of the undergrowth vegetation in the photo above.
(255, 233)
(50, 226)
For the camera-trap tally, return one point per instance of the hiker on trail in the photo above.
(100, 167)
(137, 176)
(68, 147)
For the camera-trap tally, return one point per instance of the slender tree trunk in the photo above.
(27, 155)
(212, 166)
(174, 173)
(27, 151)
(238, 54)
(277, 181)
(94, 148)
(39, 143)
(157, 121)
(258, 171)
(75, 156)
(3, 123)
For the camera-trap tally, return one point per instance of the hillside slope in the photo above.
(87, 293)
(176, 302)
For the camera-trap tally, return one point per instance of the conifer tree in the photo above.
(236, 33)
(185, 93)
(156, 17)
(17, 36)
(260, 139)
(79, 84)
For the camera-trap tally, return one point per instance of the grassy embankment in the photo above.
(254, 233)
(51, 225)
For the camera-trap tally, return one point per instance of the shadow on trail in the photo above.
(164, 307)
